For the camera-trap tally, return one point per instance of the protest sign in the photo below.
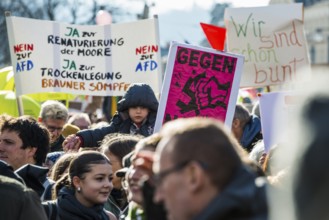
(97, 60)
(273, 42)
(199, 82)
(276, 111)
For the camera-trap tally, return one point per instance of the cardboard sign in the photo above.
(273, 42)
(83, 59)
(199, 82)
(276, 111)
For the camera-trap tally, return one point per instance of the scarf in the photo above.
(69, 208)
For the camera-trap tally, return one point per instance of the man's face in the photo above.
(134, 176)
(171, 188)
(11, 150)
(55, 128)
(237, 130)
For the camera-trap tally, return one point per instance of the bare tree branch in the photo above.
(76, 12)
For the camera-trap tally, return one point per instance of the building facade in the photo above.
(316, 24)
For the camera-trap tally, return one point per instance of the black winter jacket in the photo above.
(67, 207)
(244, 198)
(137, 95)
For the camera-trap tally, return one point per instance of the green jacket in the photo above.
(112, 206)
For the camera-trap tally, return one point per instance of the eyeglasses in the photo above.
(159, 177)
(52, 128)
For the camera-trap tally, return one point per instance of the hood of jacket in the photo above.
(250, 130)
(138, 94)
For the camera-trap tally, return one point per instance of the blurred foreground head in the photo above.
(195, 161)
(311, 192)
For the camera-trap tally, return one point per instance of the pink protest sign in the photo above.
(199, 82)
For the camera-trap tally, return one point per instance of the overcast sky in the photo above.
(179, 20)
(163, 6)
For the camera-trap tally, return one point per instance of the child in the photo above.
(136, 115)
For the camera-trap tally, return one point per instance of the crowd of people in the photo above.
(59, 167)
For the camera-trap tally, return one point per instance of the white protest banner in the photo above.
(97, 60)
(276, 111)
(199, 82)
(273, 42)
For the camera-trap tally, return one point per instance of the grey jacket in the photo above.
(18, 201)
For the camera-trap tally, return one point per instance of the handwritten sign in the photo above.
(199, 82)
(86, 60)
(272, 41)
